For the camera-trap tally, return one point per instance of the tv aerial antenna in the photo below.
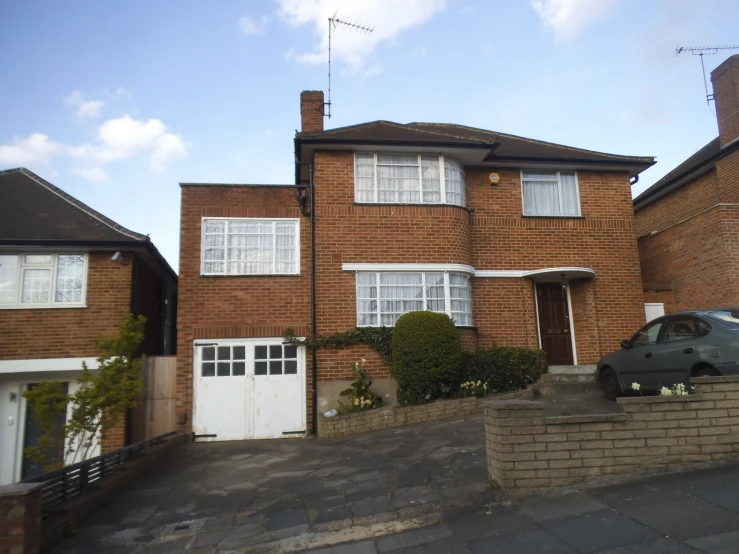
(333, 22)
(704, 51)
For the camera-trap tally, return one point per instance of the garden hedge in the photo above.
(427, 357)
(505, 368)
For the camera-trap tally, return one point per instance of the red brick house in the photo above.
(68, 274)
(687, 222)
(521, 242)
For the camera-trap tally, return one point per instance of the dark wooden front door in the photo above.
(554, 323)
(33, 432)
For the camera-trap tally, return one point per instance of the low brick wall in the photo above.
(397, 416)
(527, 452)
(24, 531)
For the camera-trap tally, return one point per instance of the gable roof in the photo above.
(703, 161)
(501, 147)
(35, 212)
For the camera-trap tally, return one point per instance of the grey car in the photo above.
(671, 350)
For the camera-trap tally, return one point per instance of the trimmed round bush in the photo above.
(427, 357)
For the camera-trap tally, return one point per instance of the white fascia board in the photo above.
(46, 364)
(456, 268)
(510, 273)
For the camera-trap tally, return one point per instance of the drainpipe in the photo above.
(311, 212)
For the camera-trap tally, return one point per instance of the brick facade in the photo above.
(490, 233)
(688, 241)
(236, 307)
(70, 332)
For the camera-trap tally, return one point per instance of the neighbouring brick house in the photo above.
(521, 242)
(687, 223)
(67, 276)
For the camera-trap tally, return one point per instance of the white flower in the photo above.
(364, 361)
(664, 391)
(635, 386)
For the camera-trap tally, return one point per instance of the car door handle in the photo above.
(648, 355)
(688, 350)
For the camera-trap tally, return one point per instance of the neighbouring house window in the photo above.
(42, 280)
(248, 246)
(408, 179)
(550, 193)
(383, 297)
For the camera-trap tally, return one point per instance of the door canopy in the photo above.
(559, 274)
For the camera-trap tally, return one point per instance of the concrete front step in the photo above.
(572, 369)
(566, 378)
(567, 389)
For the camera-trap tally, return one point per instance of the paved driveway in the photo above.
(295, 494)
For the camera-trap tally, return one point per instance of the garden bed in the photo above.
(399, 416)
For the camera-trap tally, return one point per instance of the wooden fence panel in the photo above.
(156, 413)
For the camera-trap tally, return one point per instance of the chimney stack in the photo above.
(311, 111)
(725, 79)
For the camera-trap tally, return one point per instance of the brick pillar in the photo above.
(311, 111)
(20, 518)
(725, 79)
(115, 437)
(511, 431)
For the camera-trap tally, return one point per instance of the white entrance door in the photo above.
(653, 310)
(248, 389)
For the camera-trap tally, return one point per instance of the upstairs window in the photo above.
(408, 179)
(383, 297)
(42, 280)
(550, 193)
(248, 246)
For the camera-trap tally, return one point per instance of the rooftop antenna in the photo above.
(333, 22)
(704, 51)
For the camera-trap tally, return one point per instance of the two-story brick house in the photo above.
(68, 275)
(687, 223)
(521, 242)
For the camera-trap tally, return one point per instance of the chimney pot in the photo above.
(311, 111)
(725, 79)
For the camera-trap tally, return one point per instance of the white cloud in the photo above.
(92, 174)
(126, 137)
(124, 92)
(85, 108)
(37, 148)
(568, 18)
(388, 17)
(252, 27)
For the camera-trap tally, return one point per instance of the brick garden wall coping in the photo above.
(398, 416)
(527, 452)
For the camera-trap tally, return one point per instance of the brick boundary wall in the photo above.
(527, 452)
(399, 416)
(24, 531)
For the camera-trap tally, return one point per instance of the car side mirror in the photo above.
(625, 344)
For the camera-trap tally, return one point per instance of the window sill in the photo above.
(251, 276)
(552, 216)
(44, 307)
(412, 204)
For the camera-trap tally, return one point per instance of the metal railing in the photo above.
(71, 481)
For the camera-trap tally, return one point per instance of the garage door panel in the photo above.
(249, 388)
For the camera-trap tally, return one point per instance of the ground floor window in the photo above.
(383, 297)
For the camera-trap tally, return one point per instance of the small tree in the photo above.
(100, 400)
(427, 357)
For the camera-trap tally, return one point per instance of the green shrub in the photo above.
(503, 368)
(427, 357)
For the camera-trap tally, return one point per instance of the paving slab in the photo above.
(528, 542)
(413, 538)
(598, 531)
(723, 543)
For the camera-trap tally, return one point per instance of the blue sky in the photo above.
(118, 102)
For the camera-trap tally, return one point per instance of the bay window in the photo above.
(249, 246)
(408, 179)
(383, 297)
(42, 280)
(550, 193)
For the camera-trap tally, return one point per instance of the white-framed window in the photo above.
(408, 179)
(550, 193)
(383, 297)
(250, 246)
(42, 280)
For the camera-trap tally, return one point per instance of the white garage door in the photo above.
(248, 389)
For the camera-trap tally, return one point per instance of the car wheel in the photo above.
(706, 372)
(609, 384)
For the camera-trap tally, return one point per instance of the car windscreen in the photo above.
(728, 317)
